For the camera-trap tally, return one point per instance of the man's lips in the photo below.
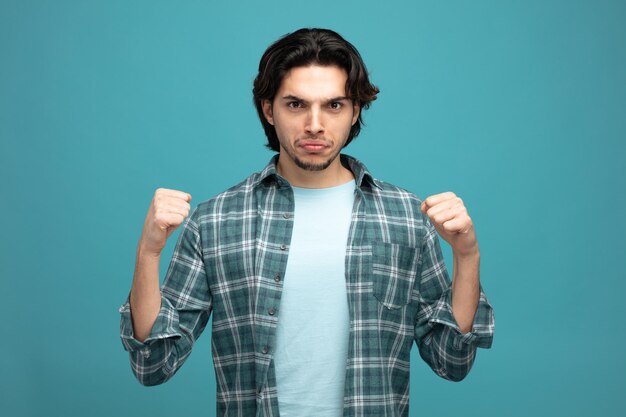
(312, 145)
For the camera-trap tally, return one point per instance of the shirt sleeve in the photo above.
(448, 351)
(186, 304)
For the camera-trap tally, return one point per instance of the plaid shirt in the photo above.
(230, 260)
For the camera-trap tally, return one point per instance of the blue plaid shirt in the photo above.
(230, 260)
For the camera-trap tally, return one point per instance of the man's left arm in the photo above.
(453, 319)
(449, 216)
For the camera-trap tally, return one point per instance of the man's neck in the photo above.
(336, 174)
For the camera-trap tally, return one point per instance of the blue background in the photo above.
(518, 106)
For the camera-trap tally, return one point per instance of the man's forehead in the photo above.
(314, 82)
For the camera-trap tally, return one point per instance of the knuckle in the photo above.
(159, 213)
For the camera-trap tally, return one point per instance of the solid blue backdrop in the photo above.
(519, 107)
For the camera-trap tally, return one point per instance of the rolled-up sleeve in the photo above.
(448, 351)
(185, 309)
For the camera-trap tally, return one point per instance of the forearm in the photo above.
(145, 295)
(465, 290)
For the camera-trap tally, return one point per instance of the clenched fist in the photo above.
(448, 214)
(167, 211)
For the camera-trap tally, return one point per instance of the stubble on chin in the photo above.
(309, 166)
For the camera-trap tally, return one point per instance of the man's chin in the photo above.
(315, 163)
(312, 165)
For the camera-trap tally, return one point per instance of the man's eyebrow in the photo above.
(296, 98)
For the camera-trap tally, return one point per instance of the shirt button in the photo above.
(283, 247)
(271, 311)
(287, 215)
(277, 277)
(265, 350)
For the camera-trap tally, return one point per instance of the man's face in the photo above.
(312, 116)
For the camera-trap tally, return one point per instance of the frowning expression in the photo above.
(312, 116)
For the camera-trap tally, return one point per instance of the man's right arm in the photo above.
(159, 326)
(167, 211)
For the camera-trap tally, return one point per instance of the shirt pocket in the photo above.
(394, 268)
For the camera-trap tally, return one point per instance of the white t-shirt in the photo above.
(313, 317)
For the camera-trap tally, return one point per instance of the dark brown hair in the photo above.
(306, 47)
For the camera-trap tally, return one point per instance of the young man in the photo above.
(319, 276)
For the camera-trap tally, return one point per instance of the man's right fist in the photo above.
(167, 211)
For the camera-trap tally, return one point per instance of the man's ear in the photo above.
(355, 112)
(267, 111)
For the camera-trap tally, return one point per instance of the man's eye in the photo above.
(335, 105)
(294, 104)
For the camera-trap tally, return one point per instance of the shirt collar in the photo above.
(362, 176)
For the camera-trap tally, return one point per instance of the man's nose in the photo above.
(314, 123)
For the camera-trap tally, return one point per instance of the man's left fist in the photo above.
(448, 214)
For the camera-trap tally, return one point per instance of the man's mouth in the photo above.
(312, 145)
